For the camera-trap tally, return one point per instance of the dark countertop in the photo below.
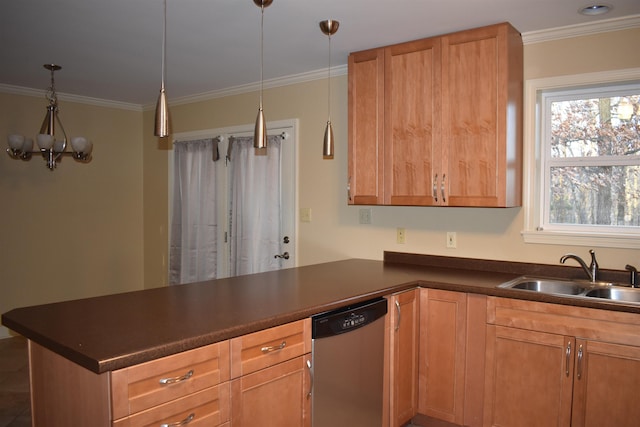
(115, 331)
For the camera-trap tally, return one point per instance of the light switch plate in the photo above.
(305, 214)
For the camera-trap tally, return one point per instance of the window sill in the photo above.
(607, 240)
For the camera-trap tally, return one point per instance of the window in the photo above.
(586, 170)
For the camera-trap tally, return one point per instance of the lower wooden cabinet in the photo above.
(403, 356)
(527, 382)
(277, 396)
(209, 407)
(271, 378)
(550, 365)
(442, 354)
(605, 388)
(451, 357)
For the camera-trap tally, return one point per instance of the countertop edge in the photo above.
(429, 272)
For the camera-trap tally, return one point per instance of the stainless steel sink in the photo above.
(616, 293)
(547, 286)
(576, 288)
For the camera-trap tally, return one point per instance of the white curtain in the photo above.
(194, 225)
(255, 229)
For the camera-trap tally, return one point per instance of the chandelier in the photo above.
(50, 147)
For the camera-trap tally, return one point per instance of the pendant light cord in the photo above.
(164, 44)
(261, 51)
(329, 81)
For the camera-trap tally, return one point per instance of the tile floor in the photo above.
(14, 383)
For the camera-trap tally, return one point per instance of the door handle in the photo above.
(284, 255)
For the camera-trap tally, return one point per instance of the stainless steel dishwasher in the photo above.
(348, 357)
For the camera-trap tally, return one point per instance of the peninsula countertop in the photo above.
(115, 331)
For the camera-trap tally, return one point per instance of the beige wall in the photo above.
(77, 231)
(335, 232)
(100, 207)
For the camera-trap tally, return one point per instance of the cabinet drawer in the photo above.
(602, 325)
(149, 384)
(252, 352)
(208, 407)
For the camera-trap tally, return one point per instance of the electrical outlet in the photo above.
(400, 235)
(365, 216)
(452, 240)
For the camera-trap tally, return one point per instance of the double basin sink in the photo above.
(576, 288)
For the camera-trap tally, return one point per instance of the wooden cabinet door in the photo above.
(606, 383)
(412, 122)
(528, 377)
(277, 396)
(442, 354)
(481, 117)
(403, 341)
(366, 127)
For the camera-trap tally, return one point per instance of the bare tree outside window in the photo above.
(593, 162)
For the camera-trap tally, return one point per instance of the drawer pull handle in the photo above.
(274, 347)
(177, 379)
(180, 423)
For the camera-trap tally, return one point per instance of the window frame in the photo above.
(535, 230)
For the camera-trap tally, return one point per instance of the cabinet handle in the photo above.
(177, 379)
(310, 377)
(180, 423)
(580, 354)
(274, 347)
(568, 360)
(442, 188)
(349, 189)
(435, 188)
(399, 316)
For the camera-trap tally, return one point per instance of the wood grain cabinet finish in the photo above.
(195, 388)
(451, 357)
(442, 354)
(438, 121)
(560, 365)
(189, 385)
(271, 380)
(403, 356)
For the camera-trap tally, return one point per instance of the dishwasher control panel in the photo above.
(348, 318)
(353, 321)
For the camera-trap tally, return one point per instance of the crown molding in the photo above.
(532, 37)
(578, 30)
(25, 91)
(253, 87)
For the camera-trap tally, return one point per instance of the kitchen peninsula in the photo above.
(115, 332)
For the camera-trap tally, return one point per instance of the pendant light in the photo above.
(260, 132)
(329, 28)
(163, 120)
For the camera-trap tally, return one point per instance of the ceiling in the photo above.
(111, 49)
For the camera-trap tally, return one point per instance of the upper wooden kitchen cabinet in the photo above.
(438, 122)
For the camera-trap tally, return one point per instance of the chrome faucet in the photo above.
(632, 277)
(591, 270)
